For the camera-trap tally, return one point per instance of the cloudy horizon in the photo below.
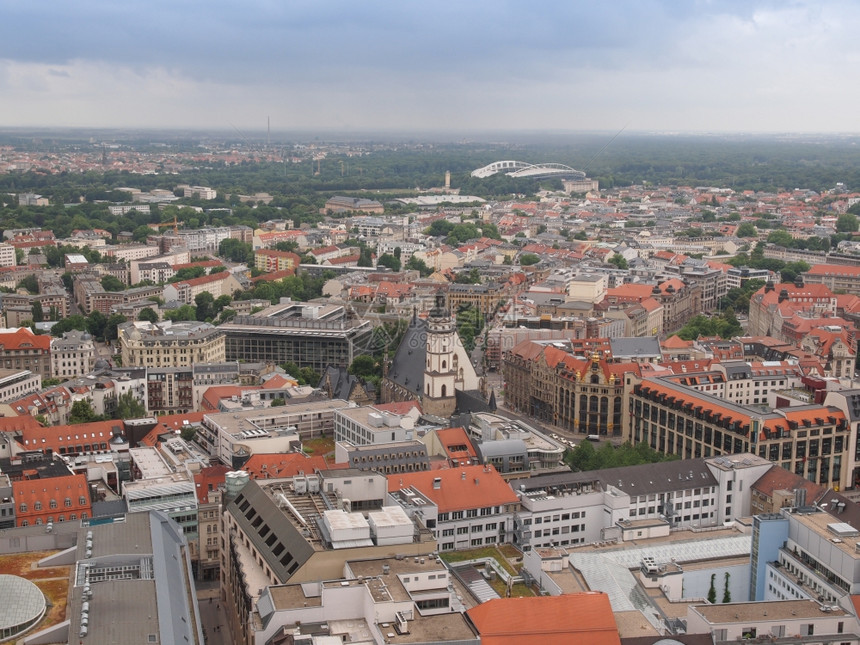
(701, 66)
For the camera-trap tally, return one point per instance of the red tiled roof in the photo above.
(461, 488)
(205, 279)
(399, 407)
(273, 276)
(24, 339)
(549, 620)
(834, 270)
(456, 443)
(265, 465)
(781, 479)
(208, 479)
(676, 342)
(206, 264)
(42, 491)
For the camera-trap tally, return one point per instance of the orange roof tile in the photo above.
(399, 408)
(461, 488)
(208, 479)
(270, 465)
(549, 620)
(24, 339)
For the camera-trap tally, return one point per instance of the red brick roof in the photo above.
(461, 488)
(205, 279)
(549, 620)
(24, 339)
(33, 492)
(264, 466)
(834, 270)
(209, 479)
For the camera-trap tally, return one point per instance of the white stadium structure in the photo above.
(529, 170)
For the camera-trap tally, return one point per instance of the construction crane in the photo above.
(174, 224)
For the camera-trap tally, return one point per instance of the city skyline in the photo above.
(657, 66)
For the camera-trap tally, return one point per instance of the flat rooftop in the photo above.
(744, 612)
(150, 463)
(819, 521)
(235, 423)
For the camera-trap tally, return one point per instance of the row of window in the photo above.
(37, 506)
(60, 518)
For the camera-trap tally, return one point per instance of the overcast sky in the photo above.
(407, 65)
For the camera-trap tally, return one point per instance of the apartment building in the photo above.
(130, 252)
(45, 490)
(17, 383)
(72, 355)
(24, 350)
(7, 255)
(628, 503)
(544, 379)
(167, 344)
(185, 291)
(170, 390)
(232, 437)
(808, 552)
(268, 260)
(810, 440)
(201, 192)
(474, 506)
(366, 426)
(91, 296)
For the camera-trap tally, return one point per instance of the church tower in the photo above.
(440, 369)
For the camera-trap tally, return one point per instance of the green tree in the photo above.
(439, 227)
(236, 251)
(148, 313)
(364, 366)
(112, 324)
(746, 229)
(791, 270)
(141, 233)
(390, 261)
(30, 283)
(528, 259)
(780, 238)
(111, 283)
(69, 323)
(185, 312)
(470, 322)
(204, 302)
(128, 407)
(416, 264)
(712, 590)
(472, 276)
(847, 223)
(82, 412)
(188, 273)
(619, 261)
(727, 595)
(188, 433)
(278, 402)
(96, 323)
(580, 235)
(38, 314)
(365, 258)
